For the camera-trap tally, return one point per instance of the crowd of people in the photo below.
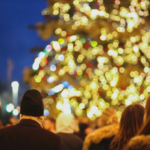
(34, 132)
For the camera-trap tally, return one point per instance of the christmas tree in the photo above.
(99, 56)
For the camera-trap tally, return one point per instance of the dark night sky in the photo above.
(15, 38)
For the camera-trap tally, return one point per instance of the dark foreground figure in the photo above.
(28, 134)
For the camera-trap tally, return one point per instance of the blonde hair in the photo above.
(109, 116)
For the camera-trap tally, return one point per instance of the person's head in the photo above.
(49, 124)
(146, 126)
(84, 128)
(13, 120)
(131, 121)
(65, 123)
(109, 117)
(32, 104)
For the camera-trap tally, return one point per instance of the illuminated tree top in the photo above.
(100, 57)
(86, 18)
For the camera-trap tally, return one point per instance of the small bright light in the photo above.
(65, 93)
(103, 37)
(15, 112)
(82, 105)
(35, 66)
(56, 46)
(94, 109)
(15, 88)
(50, 79)
(58, 88)
(9, 108)
(94, 13)
(113, 83)
(73, 38)
(37, 60)
(46, 112)
(61, 57)
(122, 70)
(142, 97)
(48, 48)
(41, 55)
(148, 89)
(146, 69)
(59, 106)
(66, 108)
(128, 102)
(98, 113)
(37, 79)
(135, 49)
(101, 60)
(90, 115)
(52, 67)
(15, 84)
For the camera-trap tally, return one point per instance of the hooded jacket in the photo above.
(141, 142)
(65, 129)
(101, 138)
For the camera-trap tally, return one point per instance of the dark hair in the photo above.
(146, 126)
(131, 121)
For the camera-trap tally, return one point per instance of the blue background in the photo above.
(16, 39)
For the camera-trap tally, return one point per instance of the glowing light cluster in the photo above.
(105, 76)
(99, 72)
(9, 107)
(84, 12)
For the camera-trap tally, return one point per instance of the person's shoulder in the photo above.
(71, 136)
(6, 130)
(141, 142)
(104, 133)
(50, 134)
(78, 138)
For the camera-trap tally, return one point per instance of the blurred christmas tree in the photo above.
(99, 58)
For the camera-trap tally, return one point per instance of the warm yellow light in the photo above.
(135, 48)
(82, 106)
(103, 37)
